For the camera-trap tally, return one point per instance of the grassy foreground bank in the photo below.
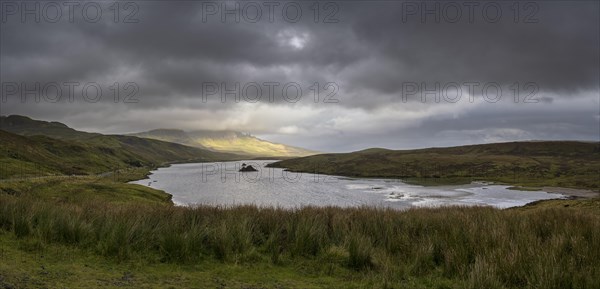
(95, 243)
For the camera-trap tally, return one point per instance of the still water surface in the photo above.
(222, 184)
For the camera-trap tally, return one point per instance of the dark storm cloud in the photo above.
(369, 51)
(559, 53)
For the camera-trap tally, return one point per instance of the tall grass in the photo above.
(481, 247)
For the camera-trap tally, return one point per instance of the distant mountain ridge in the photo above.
(226, 141)
(26, 143)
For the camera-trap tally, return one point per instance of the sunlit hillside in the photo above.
(227, 141)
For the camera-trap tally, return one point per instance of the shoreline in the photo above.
(572, 193)
(565, 193)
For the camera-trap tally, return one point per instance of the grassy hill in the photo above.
(549, 163)
(226, 141)
(31, 147)
(26, 126)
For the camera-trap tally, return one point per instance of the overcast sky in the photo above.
(373, 62)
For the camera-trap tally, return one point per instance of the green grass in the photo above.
(532, 164)
(30, 148)
(84, 189)
(27, 263)
(34, 156)
(588, 206)
(249, 247)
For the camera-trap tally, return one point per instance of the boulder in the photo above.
(248, 168)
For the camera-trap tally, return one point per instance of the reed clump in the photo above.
(480, 247)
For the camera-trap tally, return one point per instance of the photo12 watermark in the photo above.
(270, 91)
(69, 91)
(69, 11)
(470, 11)
(256, 171)
(269, 11)
(452, 92)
